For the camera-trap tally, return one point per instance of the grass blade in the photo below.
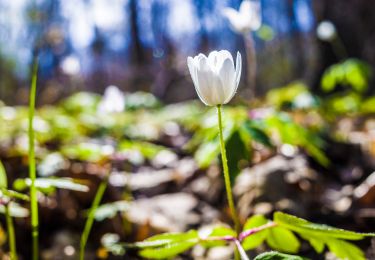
(11, 233)
(32, 171)
(90, 219)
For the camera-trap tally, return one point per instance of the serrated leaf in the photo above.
(345, 250)
(317, 230)
(277, 256)
(282, 239)
(256, 239)
(169, 251)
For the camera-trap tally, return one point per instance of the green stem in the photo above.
(228, 186)
(90, 219)
(251, 60)
(32, 171)
(11, 233)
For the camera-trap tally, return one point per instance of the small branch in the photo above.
(243, 234)
(241, 250)
(252, 231)
(223, 238)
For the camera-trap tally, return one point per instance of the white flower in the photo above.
(248, 18)
(112, 101)
(70, 65)
(215, 77)
(326, 31)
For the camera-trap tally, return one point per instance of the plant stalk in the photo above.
(251, 64)
(90, 219)
(32, 171)
(11, 233)
(228, 186)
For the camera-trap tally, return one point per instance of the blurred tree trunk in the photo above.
(137, 54)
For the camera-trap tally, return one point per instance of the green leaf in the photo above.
(265, 32)
(294, 134)
(82, 102)
(167, 238)
(14, 194)
(86, 151)
(169, 251)
(110, 210)
(257, 134)
(316, 243)
(3, 177)
(368, 105)
(16, 210)
(344, 103)
(147, 149)
(48, 184)
(272, 255)
(207, 153)
(317, 230)
(237, 151)
(345, 250)
(256, 239)
(284, 96)
(282, 239)
(210, 149)
(216, 231)
(352, 72)
(167, 245)
(4, 192)
(141, 99)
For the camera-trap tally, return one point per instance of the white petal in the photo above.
(245, 7)
(192, 69)
(224, 54)
(250, 13)
(255, 15)
(237, 77)
(234, 19)
(218, 90)
(238, 67)
(230, 13)
(228, 79)
(213, 58)
(205, 81)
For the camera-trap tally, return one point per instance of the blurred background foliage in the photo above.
(114, 91)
